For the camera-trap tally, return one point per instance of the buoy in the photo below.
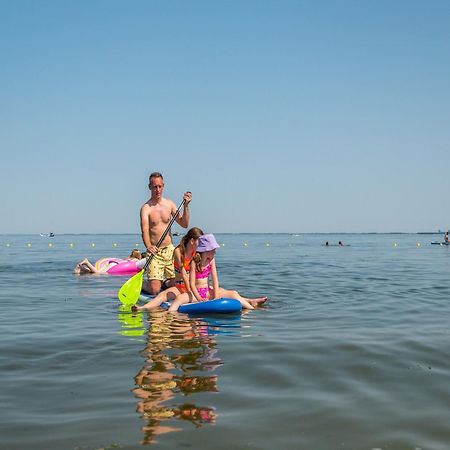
(395, 244)
(92, 245)
(114, 244)
(8, 245)
(71, 244)
(28, 245)
(267, 245)
(418, 244)
(245, 244)
(222, 244)
(50, 245)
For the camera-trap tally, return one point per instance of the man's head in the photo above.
(156, 185)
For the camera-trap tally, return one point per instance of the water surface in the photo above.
(352, 351)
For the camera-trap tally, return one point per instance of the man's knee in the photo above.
(152, 287)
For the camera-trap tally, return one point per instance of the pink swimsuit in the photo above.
(204, 290)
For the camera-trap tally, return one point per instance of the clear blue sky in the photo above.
(279, 116)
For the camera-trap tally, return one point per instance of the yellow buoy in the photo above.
(50, 244)
(395, 244)
(114, 244)
(245, 244)
(71, 244)
(418, 244)
(92, 245)
(267, 244)
(222, 244)
(28, 245)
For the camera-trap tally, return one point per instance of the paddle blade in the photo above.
(129, 293)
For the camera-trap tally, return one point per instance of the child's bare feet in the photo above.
(258, 301)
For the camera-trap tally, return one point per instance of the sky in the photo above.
(279, 116)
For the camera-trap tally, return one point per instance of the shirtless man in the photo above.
(156, 214)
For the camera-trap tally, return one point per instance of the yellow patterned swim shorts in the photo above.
(161, 266)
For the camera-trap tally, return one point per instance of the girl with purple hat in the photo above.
(202, 271)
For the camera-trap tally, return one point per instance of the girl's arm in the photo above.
(184, 276)
(192, 282)
(214, 279)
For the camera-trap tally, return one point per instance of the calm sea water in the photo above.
(351, 352)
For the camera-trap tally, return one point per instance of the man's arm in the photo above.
(183, 221)
(145, 229)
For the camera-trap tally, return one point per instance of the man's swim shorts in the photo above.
(161, 266)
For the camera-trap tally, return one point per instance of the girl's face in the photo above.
(209, 255)
(193, 243)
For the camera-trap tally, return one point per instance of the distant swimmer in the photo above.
(340, 243)
(446, 237)
(327, 244)
(104, 264)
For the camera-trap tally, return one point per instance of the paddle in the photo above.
(129, 293)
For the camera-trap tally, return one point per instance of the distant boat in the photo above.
(47, 234)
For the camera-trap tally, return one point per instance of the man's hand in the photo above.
(153, 249)
(187, 197)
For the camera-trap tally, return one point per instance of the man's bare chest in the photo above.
(158, 215)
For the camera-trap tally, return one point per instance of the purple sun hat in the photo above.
(206, 243)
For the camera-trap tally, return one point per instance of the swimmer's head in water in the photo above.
(135, 253)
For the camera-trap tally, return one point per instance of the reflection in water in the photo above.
(131, 324)
(180, 355)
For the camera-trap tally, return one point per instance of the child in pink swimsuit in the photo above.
(203, 271)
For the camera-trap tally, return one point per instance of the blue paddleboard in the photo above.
(217, 306)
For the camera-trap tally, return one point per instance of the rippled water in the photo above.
(352, 351)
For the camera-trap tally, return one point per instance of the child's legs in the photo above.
(235, 294)
(181, 299)
(164, 296)
(87, 267)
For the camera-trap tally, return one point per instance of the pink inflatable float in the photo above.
(117, 266)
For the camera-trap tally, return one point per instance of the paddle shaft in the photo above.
(150, 257)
